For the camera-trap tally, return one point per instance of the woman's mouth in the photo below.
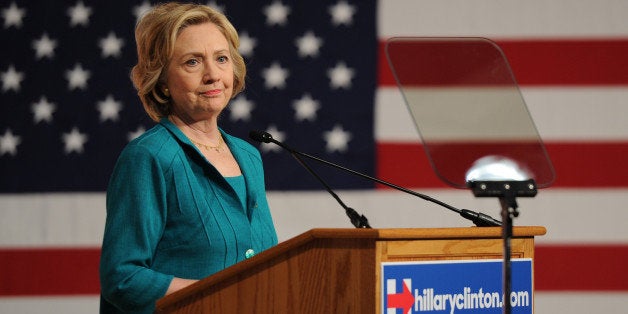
(211, 92)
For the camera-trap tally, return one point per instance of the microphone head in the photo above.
(260, 136)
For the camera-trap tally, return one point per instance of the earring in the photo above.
(167, 92)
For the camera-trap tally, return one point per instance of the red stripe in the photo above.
(581, 268)
(405, 164)
(578, 165)
(62, 271)
(31, 272)
(550, 62)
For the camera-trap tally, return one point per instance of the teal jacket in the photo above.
(170, 213)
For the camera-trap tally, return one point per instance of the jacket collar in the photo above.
(238, 152)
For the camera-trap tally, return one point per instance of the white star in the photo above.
(111, 46)
(337, 139)
(44, 47)
(277, 135)
(9, 143)
(275, 76)
(77, 77)
(214, 5)
(135, 134)
(11, 79)
(109, 109)
(247, 44)
(308, 45)
(276, 13)
(42, 110)
(342, 13)
(240, 109)
(79, 14)
(340, 76)
(141, 9)
(13, 16)
(305, 108)
(74, 141)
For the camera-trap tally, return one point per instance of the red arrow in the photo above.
(403, 300)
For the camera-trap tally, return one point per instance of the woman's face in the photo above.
(200, 74)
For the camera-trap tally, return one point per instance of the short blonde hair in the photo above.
(156, 33)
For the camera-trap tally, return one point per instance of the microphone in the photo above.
(359, 221)
(479, 219)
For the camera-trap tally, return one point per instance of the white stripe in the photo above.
(499, 18)
(581, 302)
(52, 219)
(393, 120)
(570, 215)
(470, 113)
(560, 114)
(579, 114)
(38, 305)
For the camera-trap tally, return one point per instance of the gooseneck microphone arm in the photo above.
(479, 219)
(359, 221)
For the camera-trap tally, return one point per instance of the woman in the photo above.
(185, 199)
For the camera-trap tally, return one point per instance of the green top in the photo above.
(171, 213)
(239, 185)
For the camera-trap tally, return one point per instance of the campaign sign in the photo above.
(469, 286)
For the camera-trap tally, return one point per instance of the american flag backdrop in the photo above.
(318, 80)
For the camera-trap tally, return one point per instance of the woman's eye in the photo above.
(192, 62)
(223, 59)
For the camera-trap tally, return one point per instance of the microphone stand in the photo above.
(479, 219)
(359, 221)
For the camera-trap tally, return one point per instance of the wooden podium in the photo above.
(336, 270)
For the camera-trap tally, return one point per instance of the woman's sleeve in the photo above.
(136, 217)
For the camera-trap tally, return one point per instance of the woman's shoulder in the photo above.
(156, 142)
(155, 134)
(242, 145)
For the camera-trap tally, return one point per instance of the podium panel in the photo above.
(335, 270)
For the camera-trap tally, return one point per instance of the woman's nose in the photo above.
(211, 73)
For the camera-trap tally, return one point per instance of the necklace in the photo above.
(209, 147)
